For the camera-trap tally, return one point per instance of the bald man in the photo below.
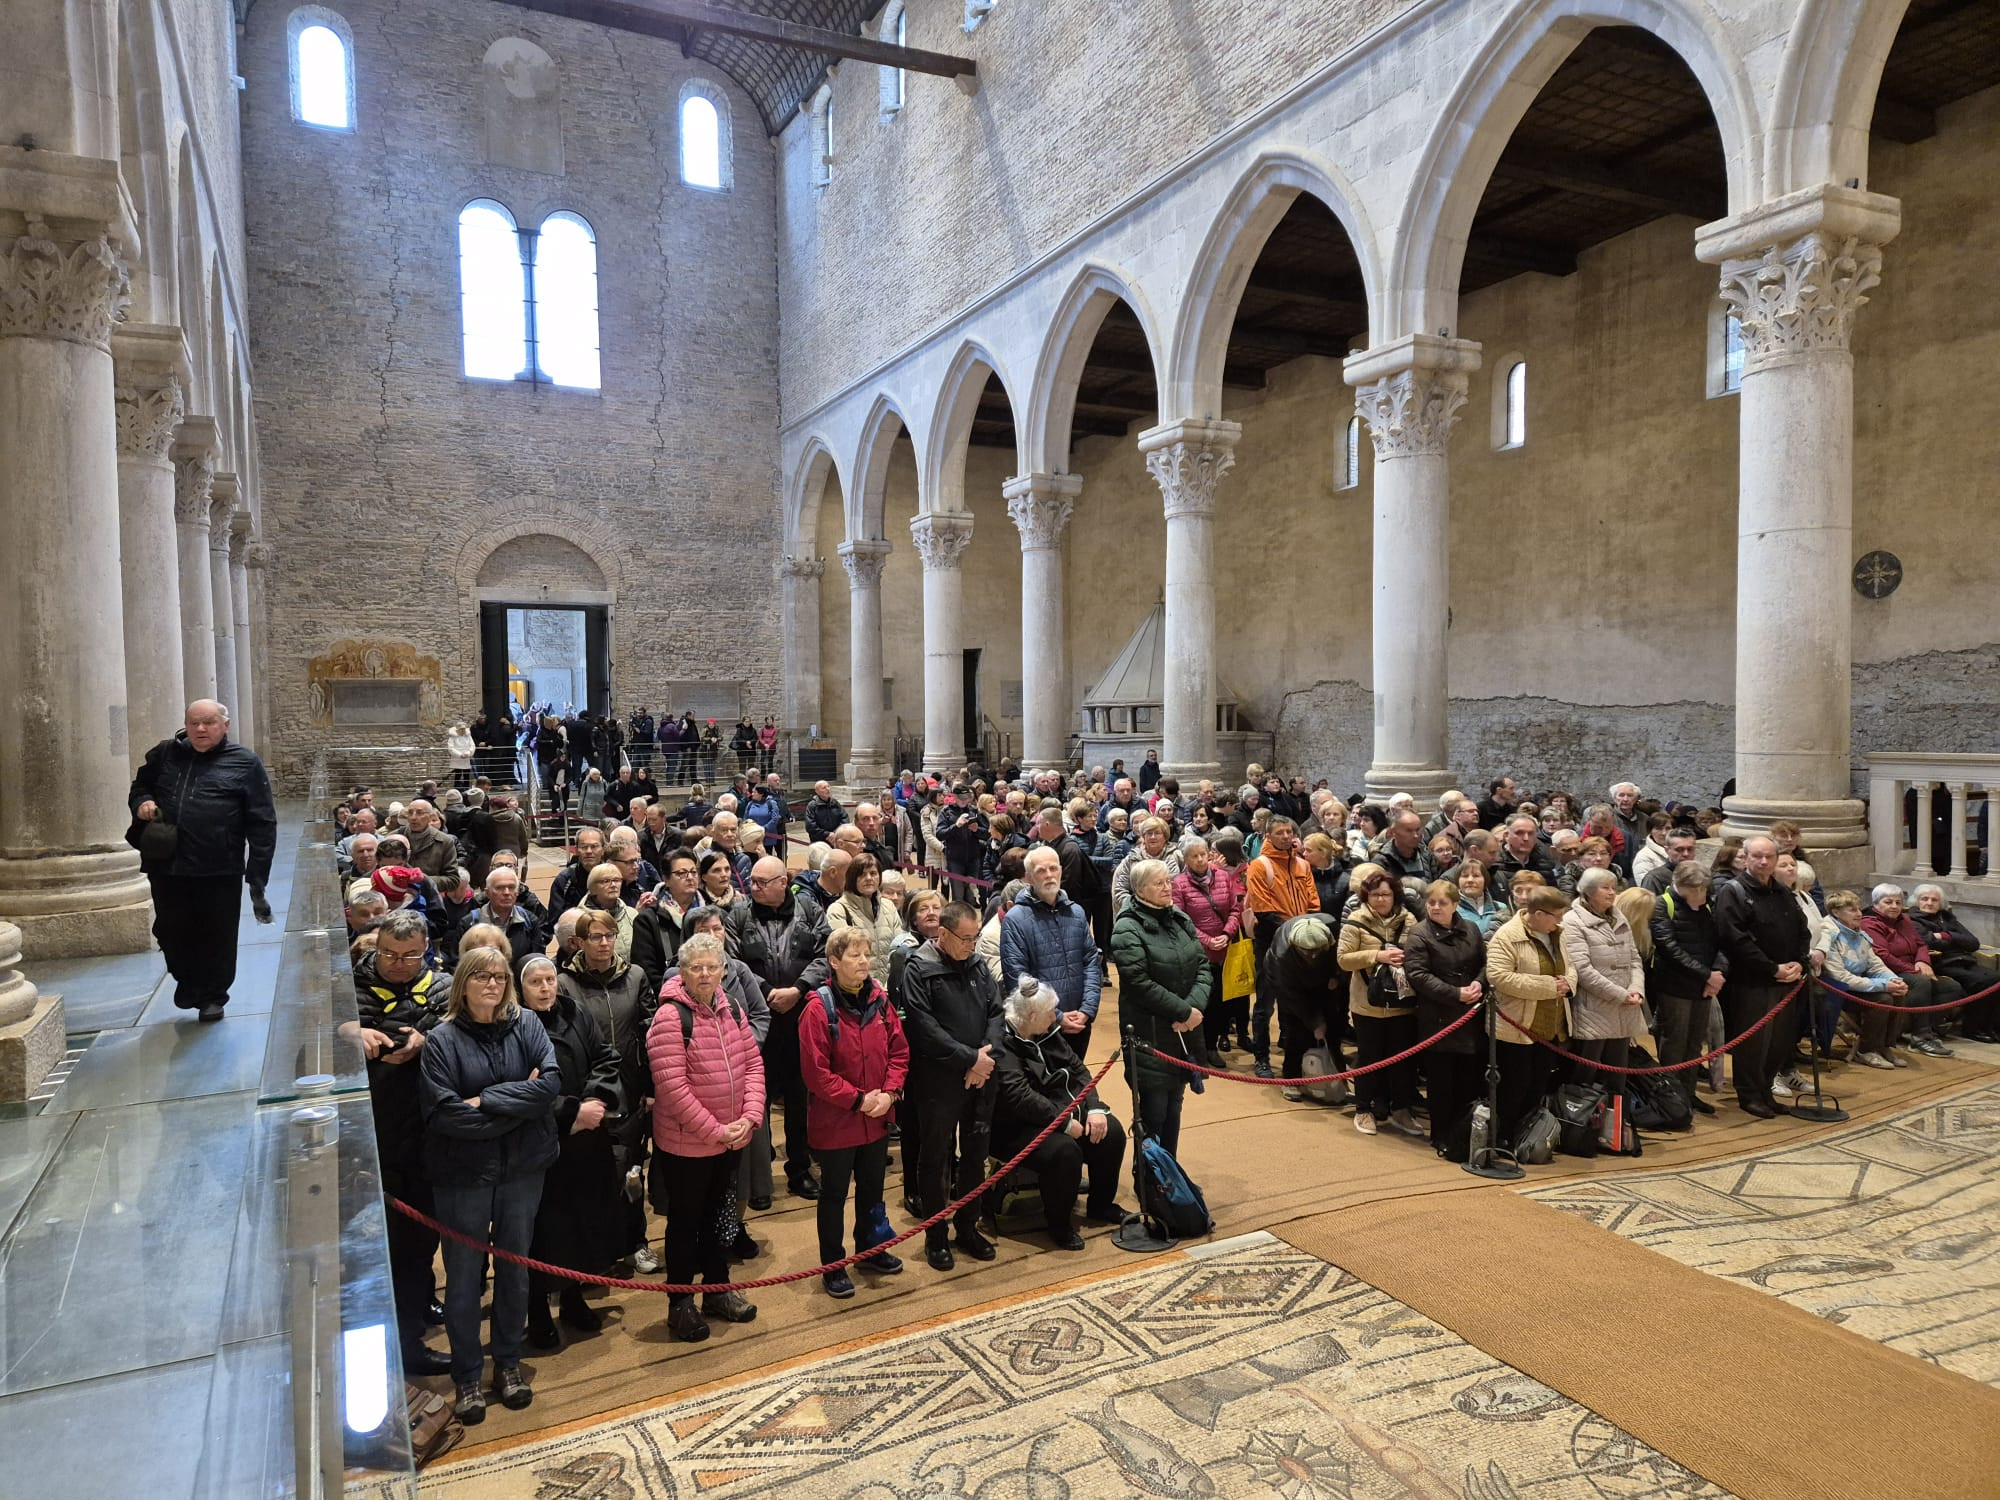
(205, 826)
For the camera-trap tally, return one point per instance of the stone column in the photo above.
(1041, 506)
(1795, 272)
(1956, 855)
(67, 878)
(194, 477)
(244, 723)
(221, 517)
(1409, 393)
(150, 363)
(1925, 792)
(941, 540)
(1187, 459)
(802, 577)
(867, 758)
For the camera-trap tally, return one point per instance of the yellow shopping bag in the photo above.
(1239, 971)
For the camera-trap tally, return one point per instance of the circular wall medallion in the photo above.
(1877, 574)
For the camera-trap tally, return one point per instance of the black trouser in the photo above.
(1058, 1164)
(1297, 1021)
(461, 777)
(949, 1114)
(695, 1192)
(501, 1214)
(785, 1088)
(1386, 1090)
(1610, 1050)
(1099, 908)
(1527, 1074)
(1925, 990)
(1454, 1081)
(1266, 998)
(1683, 1033)
(1215, 1020)
(412, 1254)
(1971, 979)
(1160, 1112)
(194, 922)
(1750, 1065)
(866, 1166)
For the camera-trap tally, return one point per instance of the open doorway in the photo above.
(534, 654)
(973, 736)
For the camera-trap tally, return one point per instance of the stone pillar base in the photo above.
(86, 934)
(868, 770)
(77, 905)
(1834, 835)
(30, 1048)
(1424, 783)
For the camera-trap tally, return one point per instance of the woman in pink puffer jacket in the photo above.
(708, 1100)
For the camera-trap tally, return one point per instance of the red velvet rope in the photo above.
(1375, 1067)
(1908, 1010)
(940, 1217)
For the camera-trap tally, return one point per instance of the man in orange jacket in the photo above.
(1277, 887)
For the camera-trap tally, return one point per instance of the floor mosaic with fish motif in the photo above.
(1256, 1371)
(1892, 1230)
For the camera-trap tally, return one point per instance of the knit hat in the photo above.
(398, 882)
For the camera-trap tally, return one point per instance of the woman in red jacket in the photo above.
(708, 1100)
(854, 1058)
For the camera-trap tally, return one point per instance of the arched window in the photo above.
(822, 136)
(493, 293)
(322, 57)
(1348, 471)
(1510, 403)
(895, 82)
(565, 302)
(705, 140)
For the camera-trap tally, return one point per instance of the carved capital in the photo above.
(803, 567)
(221, 511)
(1800, 298)
(49, 291)
(151, 404)
(257, 556)
(941, 538)
(1041, 505)
(1187, 459)
(194, 470)
(1411, 413)
(863, 561)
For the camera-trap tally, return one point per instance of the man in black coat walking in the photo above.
(954, 1024)
(199, 802)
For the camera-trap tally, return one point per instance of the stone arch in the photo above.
(802, 499)
(951, 427)
(1228, 255)
(142, 131)
(218, 368)
(189, 312)
(1825, 98)
(487, 532)
(1420, 291)
(871, 468)
(549, 561)
(520, 92)
(1052, 401)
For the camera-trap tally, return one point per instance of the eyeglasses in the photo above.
(767, 880)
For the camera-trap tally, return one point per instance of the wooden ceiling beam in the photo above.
(674, 20)
(1288, 342)
(1640, 187)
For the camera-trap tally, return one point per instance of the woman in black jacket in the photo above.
(1444, 958)
(1954, 950)
(1039, 1079)
(490, 1088)
(581, 1221)
(1686, 976)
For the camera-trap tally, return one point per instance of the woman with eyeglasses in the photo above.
(491, 1085)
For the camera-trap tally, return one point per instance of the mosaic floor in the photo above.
(1259, 1371)
(1892, 1230)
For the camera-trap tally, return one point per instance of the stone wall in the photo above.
(1078, 105)
(390, 478)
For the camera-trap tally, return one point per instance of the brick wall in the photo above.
(388, 476)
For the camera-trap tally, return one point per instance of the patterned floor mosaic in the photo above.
(1892, 1230)
(1259, 1371)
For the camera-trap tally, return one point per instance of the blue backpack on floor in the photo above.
(1168, 1196)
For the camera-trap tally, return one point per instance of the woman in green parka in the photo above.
(1163, 982)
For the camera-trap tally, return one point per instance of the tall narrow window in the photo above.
(1517, 405)
(896, 32)
(1732, 353)
(701, 143)
(564, 305)
(1350, 455)
(322, 58)
(822, 136)
(493, 293)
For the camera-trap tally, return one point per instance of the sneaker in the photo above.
(1365, 1123)
(646, 1263)
(471, 1403)
(1404, 1121)
(1293, 1094)
(882, 1263)
(1930, 1046)
(1874, 1060)
(730, 1307)
(1263, 1070)
(1787, 1084)
(510, 1384)
(685, 1321)
(838, 1285)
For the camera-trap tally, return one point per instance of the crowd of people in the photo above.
(693, 1007)
(565, 745)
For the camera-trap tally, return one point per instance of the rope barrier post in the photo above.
(1820, 1109)
(1139, 1234)
(1492, 1159)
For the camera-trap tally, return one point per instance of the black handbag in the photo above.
(158, 841)
(1577, 1108)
